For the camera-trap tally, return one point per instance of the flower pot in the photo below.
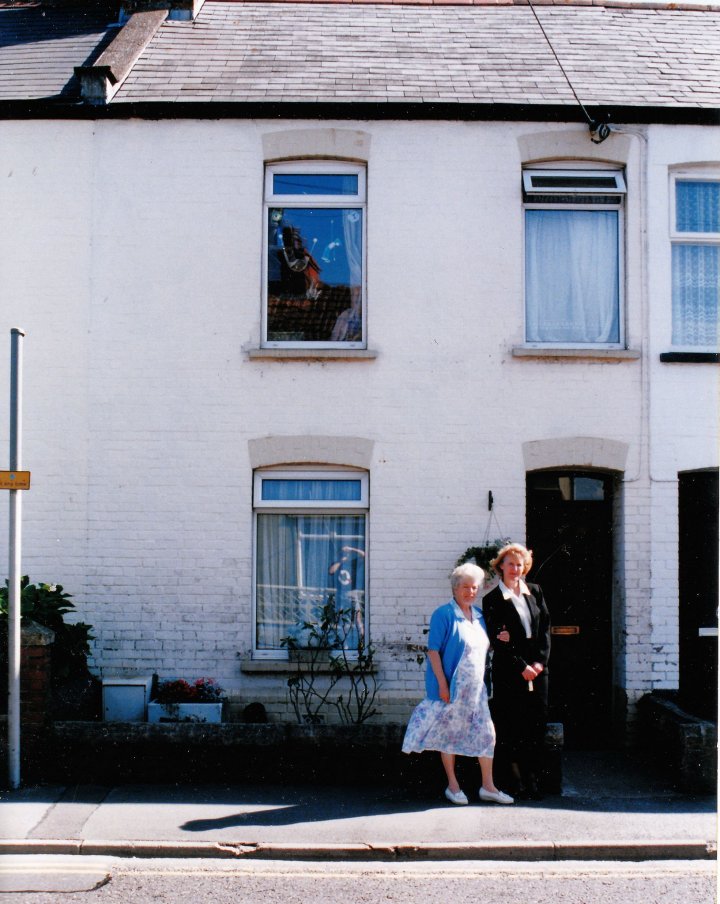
(185, 712)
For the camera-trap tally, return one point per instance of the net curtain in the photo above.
(572, 276)
(295, 553)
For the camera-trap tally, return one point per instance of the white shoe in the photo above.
(456, 797)
(496, 797)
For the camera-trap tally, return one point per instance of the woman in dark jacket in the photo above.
(518, 625)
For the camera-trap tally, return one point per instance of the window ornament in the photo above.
(315, 261)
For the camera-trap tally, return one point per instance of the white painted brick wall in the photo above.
(133, 260)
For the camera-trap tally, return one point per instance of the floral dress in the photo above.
(463, 726)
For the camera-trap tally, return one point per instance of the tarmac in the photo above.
(610, 808)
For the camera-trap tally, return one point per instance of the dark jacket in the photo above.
(511, 658)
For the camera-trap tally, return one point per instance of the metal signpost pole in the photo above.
(15, 546)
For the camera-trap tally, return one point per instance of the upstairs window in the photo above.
(310, 550)
(314, 255)
(573, 257)
(695, 237)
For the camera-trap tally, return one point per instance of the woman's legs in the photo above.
(506, 769)
(486, 771)
(532, 748)
(448, 761)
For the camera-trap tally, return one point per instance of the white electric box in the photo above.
(125, 699)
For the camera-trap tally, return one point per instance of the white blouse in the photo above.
(520, 603)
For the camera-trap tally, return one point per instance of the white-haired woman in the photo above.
(454, 718)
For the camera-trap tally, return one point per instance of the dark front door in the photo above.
(698, 591)
(569, 529)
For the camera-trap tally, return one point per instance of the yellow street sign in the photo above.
(14, 480)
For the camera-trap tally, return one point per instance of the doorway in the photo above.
(569, 529)
(698, 591)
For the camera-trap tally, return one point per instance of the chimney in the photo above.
(100, 81)
(181, 10)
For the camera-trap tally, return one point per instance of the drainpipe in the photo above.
(14, 571)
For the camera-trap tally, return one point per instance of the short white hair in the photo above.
(466, 570)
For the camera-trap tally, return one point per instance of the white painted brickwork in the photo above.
(133, 260)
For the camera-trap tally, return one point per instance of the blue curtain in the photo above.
(311, 490)
(697, 206)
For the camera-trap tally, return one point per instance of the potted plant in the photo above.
(182, 701)
(483, 555)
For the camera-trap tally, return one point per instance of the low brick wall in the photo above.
(35, 673)
(111, 752)
(35, 697)
(686, 743)
(117, 752)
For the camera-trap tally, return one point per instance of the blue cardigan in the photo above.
(445, 637)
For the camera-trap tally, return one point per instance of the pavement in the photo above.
(610, 808)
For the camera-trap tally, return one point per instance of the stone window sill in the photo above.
(602, 354)
(690, 358)
(248, 665)
(311, 354)
(266, 666)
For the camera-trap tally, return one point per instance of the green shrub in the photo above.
(483, 555)
(330, 655)
(47, 605)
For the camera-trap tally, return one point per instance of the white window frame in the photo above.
(531, 190)
(531, 176)
(688, 238)
(270, 199)
(309, 505)
(305, 507)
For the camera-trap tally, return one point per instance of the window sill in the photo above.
(282, 667)
(265, 666)
(311, 354)
(690, 358)
(603, 354)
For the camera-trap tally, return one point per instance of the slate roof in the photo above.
(450, 53)
(258, 51)
(39, 48)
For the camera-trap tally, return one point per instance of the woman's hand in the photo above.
(436, 665)
(504, 635)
